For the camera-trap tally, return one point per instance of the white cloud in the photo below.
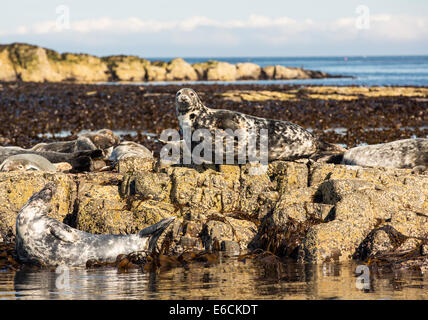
(272, 31)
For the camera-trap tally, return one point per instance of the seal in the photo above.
(286, 140)
(27, 162)
(103, 139)
(406, 153)
(128, 149)
(46, 241)
(80, 161)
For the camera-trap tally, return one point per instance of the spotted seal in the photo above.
(80, 161)
(44, 240)
(127, 149)
(406, 153)
(286, 140)
(103, 139)
(27, 162)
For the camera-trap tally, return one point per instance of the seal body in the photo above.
(406, 153)
(27, 162)
(103, 139)
(286, 140)
(44, 240)
(127, 149)
(80, 161)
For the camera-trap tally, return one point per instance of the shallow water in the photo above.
(229, 279)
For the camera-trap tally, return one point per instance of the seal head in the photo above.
(187, 100)
(27, 162)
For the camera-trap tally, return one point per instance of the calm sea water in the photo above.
(367, 71)
(229, 279)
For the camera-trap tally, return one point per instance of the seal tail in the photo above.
(155, 231)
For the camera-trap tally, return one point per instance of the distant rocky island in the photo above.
(25, 62)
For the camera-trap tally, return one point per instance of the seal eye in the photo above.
(192, 94)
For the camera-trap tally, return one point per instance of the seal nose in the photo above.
(183, 98)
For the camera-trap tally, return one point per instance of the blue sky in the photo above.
(220, 28)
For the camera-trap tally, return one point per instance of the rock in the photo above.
(79, 67)
(248, 71)
(127, 68)
(284, 73)
(231, 247)
(178, 69)
(311, 212)
(20, 61)
(31, 63)
(201, 68)
(7, 70)
(135, 163)
(17, 187)
(100, 209)
(332, 241)
(268, 72)
(221, 71)
(155, 73)
(191, 243)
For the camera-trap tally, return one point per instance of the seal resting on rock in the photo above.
(286, 140)
(46, 241)
(103, 139)
(406, 153)
(127, 149)
(80, 161)
(27, 162)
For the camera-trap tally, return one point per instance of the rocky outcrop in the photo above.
(248, 71)
(178, 69)
(279, 72)
(24, 62)
(310, 212)
(127, 68)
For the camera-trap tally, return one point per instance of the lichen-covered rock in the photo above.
(17, 187)
(268, 72)
(178, 69)
(100, 208)
(313, 212)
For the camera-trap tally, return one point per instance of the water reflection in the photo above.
(229, 279)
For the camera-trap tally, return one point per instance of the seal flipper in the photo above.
(155, 231)
(62, 231)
